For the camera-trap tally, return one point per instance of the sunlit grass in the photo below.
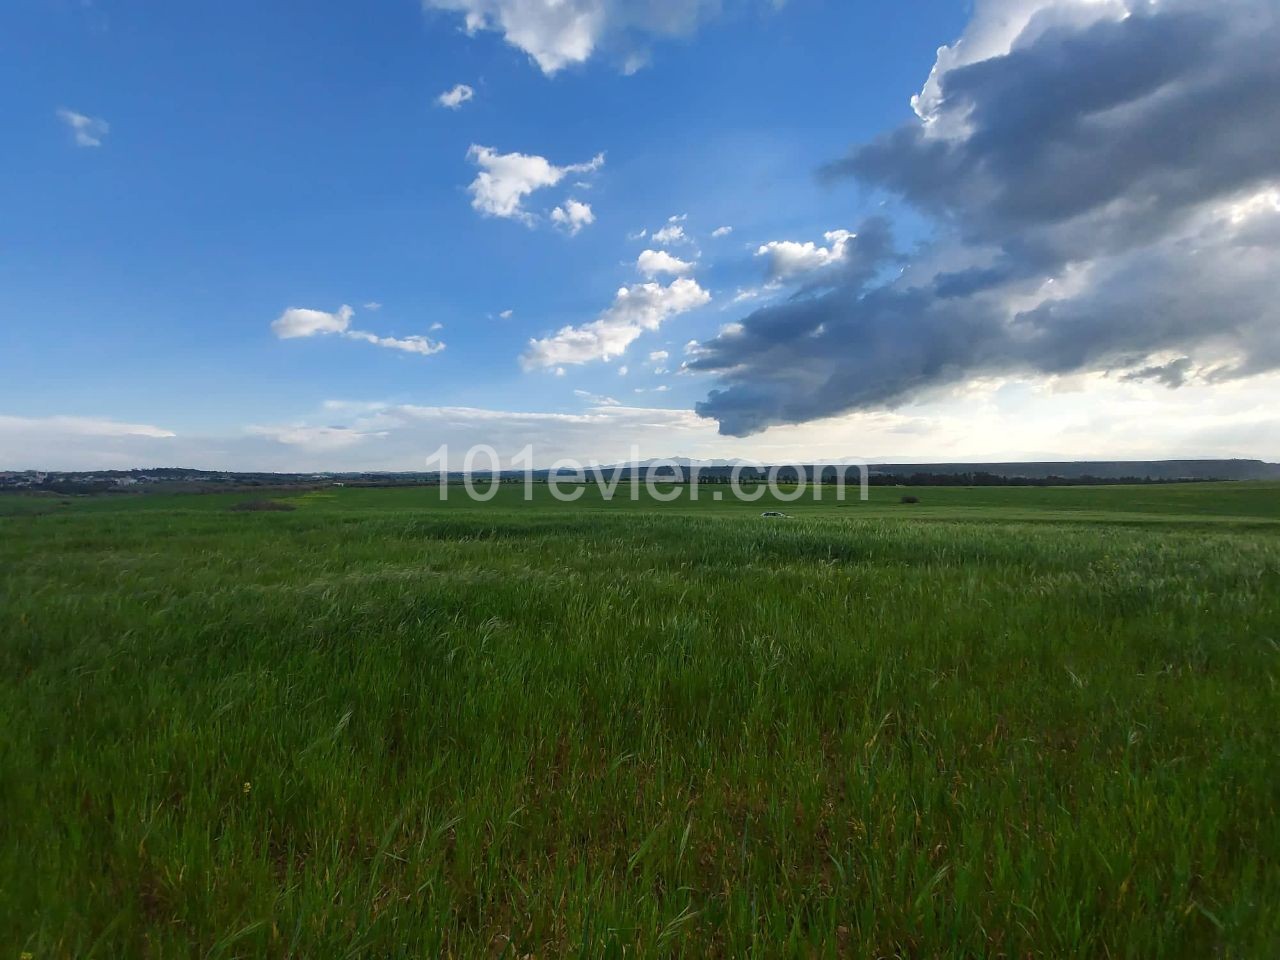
(381, 725)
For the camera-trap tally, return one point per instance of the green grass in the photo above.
(1004, 722)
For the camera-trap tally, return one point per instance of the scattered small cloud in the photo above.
(506, 314)
(721, 232)
(556, 34)
(669, 235)
(506, 179)
(455, 98)
(83, 427)
(323, 438)
(373, 305)
(744, 294)
(636, 309)
(85, 130)
(596, 399)
(298, 322)
(414, 344)
(573, 216)
(635, 63)
(301, 322)
(791, 259)
(1174, 374)
(654, 262)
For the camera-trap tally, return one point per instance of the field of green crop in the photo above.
(999, 723)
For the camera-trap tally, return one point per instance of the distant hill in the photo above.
(1099, 469)
(1106, 471)
(1045, 473)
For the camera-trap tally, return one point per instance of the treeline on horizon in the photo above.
(1026, 474)
(852, 477)
(750, 478)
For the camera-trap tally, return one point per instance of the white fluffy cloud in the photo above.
(653, 262)
(790, 259)
(413, 344)
(671, 234)
(455, 98)
(572, 216)
(719, 232)
(560, 33)
(506, 179)
(635, 309)
(86, 131)
(296, 322)
(301, 322)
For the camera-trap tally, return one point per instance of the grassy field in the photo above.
(1002, 722)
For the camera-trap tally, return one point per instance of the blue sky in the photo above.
(176, 177)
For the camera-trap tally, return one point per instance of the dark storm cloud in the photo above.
(866, 253)
(1080, 191)
(1172, 374)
